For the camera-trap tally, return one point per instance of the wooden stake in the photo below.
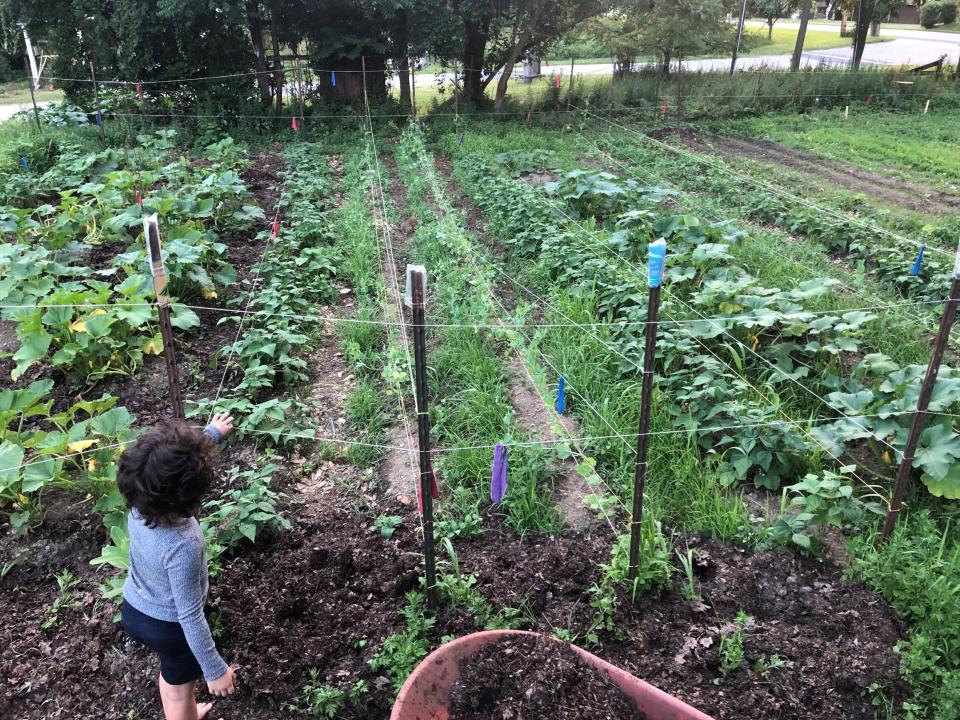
(363, 72)
(846, 111)
(33, 98)
(456, 92)
(926, 107)
(303, 130)
(151, 231)
(423, 428)
(736, 46)
(96, 96)
(413, 88)
(655, 270)
(923, 402)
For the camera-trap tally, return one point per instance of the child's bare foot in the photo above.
(203, 709)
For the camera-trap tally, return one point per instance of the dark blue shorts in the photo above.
(178, 666)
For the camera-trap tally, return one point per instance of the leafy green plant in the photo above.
(243, 514)
(386, 525)
(766, 665)
(731, 650)
(321, 700)
(402, 651)
(689, 588)
(66, 584)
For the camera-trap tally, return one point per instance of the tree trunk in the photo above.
(520, 46)
(863, 26)
(278, 64)
(403, 77)
(801, 34)
(770, 22)
(665, 59)
(474, 53)
(402, 58)
(256, 37)
(843, 23)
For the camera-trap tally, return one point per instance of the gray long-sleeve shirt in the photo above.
(168, 580)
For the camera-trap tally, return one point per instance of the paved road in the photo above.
(9, 110)
(909, 48)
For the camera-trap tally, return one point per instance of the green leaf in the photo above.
(939, 448)
(11, 458)
(184, 318)
(112, 423)
(32, 348)
(801, 540)
(36, 474)
(134, 316)
(249, 531)
(946, 487)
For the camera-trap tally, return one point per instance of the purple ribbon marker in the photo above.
(498, 480)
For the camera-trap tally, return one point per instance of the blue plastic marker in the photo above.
(99, 119)
(561, 401)
(657, 258)
(918, 262)
(25, 163)
(333, 78)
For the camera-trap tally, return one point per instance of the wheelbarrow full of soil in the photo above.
(517, 675)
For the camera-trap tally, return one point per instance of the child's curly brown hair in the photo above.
(166, 472)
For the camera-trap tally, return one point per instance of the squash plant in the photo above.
(40, 447)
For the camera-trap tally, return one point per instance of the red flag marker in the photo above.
(434, 489)
(665, 107)
(139, 200)
(276, 228)
(558, 81)
(139, 92)
(293, 124)
(528, 117)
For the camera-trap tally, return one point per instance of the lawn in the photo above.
(18, 93)
(790, 343)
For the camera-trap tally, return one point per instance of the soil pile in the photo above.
(527, 677)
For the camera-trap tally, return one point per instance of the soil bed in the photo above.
(535, 677)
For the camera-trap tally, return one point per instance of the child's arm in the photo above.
(186, 570)
(220, 426)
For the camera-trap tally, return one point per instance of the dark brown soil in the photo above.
(521, 678)
(326, 595)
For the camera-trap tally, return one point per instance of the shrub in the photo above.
(949, 12)
(932, 13)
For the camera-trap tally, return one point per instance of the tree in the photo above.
(534, 23)
(676, 29)
(805, 10)
(773, 10)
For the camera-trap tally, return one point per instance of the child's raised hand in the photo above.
(223, 422)
(223, 685)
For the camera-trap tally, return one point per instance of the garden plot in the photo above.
(779, 386)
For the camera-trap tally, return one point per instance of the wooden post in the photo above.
(736, 45)
(423, 428)
(33, 98)
(456, 91)
(923, 402)
(413, 88)
(363, 73)
(657, 257)
(96, 96)
(151, 231)
(303, 131)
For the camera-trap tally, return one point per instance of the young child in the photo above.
(163, 477)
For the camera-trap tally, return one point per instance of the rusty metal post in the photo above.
(656, 261)
(418, 296)
(151, 231)
(923, 402)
